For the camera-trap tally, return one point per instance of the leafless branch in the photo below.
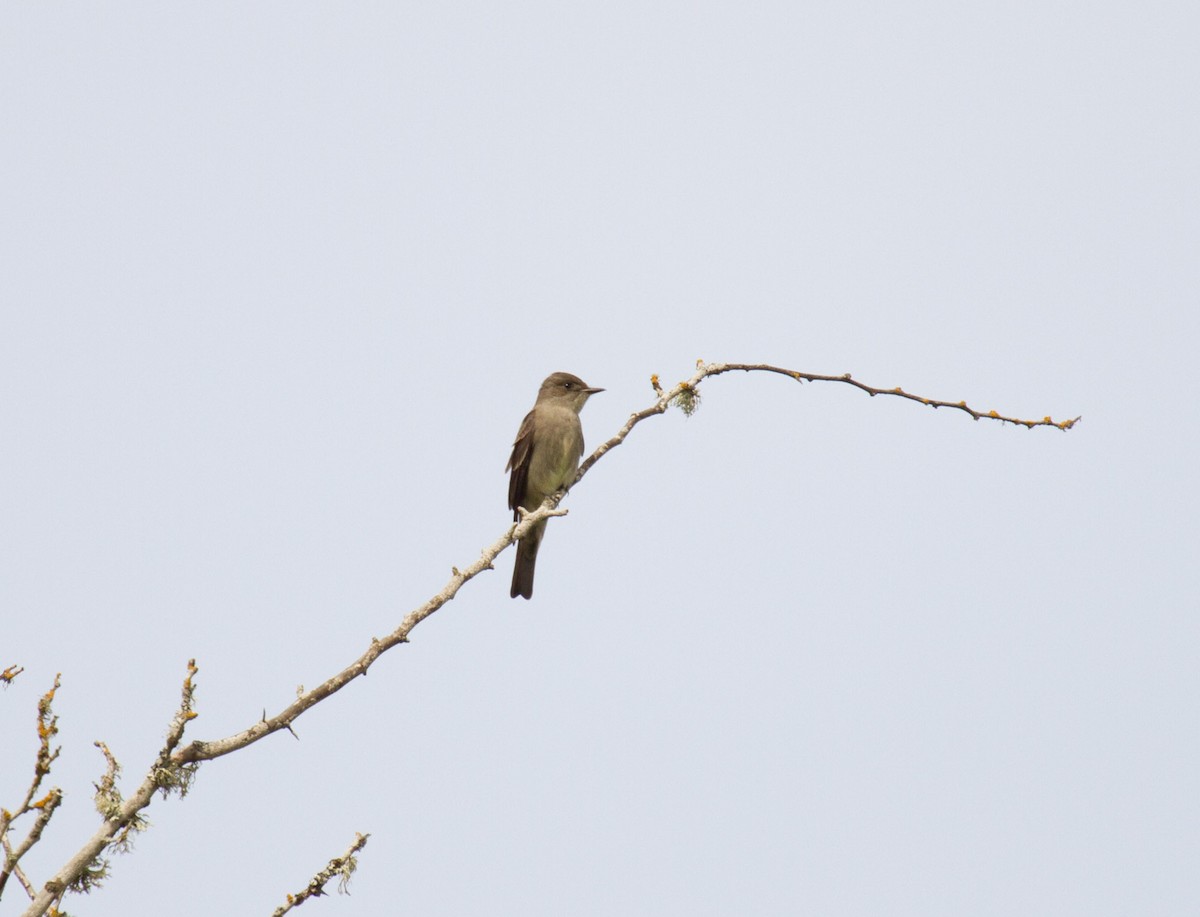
(47, 729)
(205, 751)
(714, 369)
(175, 765)
(686, 396)
(121, 817)
(342, 867)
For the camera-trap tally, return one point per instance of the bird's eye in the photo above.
(566, 385)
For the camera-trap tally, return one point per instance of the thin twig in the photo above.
(714, 369)
(342, 866)
(47, 729)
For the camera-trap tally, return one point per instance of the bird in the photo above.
(544, 460)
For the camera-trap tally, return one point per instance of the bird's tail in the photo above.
(522, 581)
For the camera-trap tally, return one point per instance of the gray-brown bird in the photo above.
(545, 459)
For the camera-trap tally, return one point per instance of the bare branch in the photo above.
(87, 867)
(175, 766)
(686, 397)
(47, 729)
(205, 751)
(714, 369)
(12, 857)
(342, 866)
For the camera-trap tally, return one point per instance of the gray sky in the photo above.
(279, 281)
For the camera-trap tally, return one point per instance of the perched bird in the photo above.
(545, 459)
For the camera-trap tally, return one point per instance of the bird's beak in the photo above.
(592, 391)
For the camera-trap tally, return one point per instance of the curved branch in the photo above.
(714, 369)
(685, 394)
(175, 764)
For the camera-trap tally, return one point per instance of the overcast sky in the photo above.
(278, 282)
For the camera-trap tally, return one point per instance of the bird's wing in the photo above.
(518, 463)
